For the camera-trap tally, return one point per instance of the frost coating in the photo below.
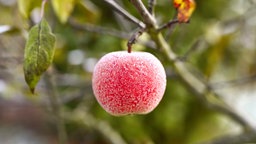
(128, 83)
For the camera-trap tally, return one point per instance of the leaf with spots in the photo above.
(185, 8)
(39, 52)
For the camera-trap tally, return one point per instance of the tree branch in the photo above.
(168, 24)
(124, 13)
(202, 91)
(206, 95)
(146, 16)
(151, 6)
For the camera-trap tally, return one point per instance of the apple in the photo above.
(128, 83)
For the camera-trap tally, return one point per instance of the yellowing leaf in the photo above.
(86, 11)
(185, 8)
(63, 9)
(177, 3)
(26, 6)
(39, 52)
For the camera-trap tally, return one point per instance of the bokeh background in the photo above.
(219, 44)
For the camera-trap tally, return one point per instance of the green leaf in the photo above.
(63, 9)
(39, 52)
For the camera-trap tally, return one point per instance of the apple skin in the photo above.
(128, 83)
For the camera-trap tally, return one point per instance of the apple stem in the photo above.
(133, 39)
(129, 48)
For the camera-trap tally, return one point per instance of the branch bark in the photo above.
(202, 90)
(151, 6)
(124, 13)
(148, 19)
(206, 95)
(168, 24)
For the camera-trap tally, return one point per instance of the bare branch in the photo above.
(168, 24)
(151, 6)
(124, 13)
(108, 31)
(206, 95)
(146, 16)
(133, 39)
(99, 30)
(201, 89)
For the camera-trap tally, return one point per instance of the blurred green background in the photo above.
(219, 44)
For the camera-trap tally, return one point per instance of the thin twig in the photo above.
(146, 16)
(170, 29)
(99, 30)
(168, 24)
(108, 31)
(151, 6)
(133, 39)
(56, 108)
(124, 13)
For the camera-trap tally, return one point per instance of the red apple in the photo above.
(128, 83)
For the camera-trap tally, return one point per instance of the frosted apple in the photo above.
(128, 83)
